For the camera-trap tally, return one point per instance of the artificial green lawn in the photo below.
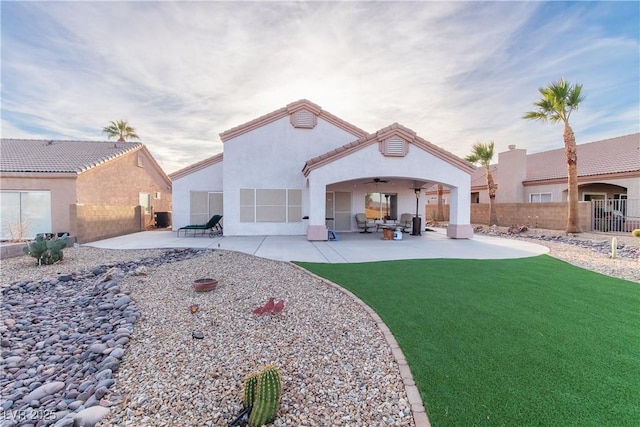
(533, 341)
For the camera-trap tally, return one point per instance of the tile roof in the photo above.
(608, 156)
(30, 155)
(613, 155)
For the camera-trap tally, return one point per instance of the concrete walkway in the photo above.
(351, 247)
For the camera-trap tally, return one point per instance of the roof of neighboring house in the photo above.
(286, 111)
(613, 155)
(31, 155)
(196, 166)
(608, 156)
(375, 138)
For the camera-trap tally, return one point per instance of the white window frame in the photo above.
(540, 194)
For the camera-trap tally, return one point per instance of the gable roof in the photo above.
(33, 155)
(196, 166)
(382, 135)
(608, 156)
(287, 111)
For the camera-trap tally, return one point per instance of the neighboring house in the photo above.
(91, 190)
(608, 170)
(301, 171)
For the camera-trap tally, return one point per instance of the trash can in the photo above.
(417, 224)
(163, 219)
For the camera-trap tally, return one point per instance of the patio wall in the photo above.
(96, 222)
(552, 216)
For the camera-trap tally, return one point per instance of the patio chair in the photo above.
(213, 226)
(406, 222)
(364, 223)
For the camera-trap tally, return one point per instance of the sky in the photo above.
(181, 73)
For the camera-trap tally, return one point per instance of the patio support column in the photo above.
(460, 213)
(317, 224)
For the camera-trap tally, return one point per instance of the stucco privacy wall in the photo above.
(272, 157)
(95, 222)
(63, 193)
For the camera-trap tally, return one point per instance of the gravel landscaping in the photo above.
(70, 351)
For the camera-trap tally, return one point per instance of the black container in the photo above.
(417, 224)
(163, 219)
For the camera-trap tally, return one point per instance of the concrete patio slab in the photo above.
(350, 248)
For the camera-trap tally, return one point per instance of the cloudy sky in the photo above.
(183, 72)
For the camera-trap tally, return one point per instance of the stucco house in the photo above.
(608, 171)
(91, 190)
(300, 170)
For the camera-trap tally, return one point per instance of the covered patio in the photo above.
(393, 161)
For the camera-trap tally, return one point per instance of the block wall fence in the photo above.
(552, 216)
(96, 222)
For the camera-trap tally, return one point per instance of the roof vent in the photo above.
(512, 147)
(303, 119)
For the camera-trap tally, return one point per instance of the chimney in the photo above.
(512, 171)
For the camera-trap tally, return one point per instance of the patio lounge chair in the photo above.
(406, 222)
(364, 223)
(213, 226)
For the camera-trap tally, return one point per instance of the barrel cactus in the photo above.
(267, 397)
(46, 250)
(250, 385)
(636, 232)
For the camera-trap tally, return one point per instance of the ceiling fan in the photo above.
(378, 181)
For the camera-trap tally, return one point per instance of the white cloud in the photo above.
(183, 72)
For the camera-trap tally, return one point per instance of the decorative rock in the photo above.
(89, 417)
(44, 390)
(122, 301)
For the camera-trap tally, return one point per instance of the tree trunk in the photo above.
(491, 188)
(440, 214)
(573, 222)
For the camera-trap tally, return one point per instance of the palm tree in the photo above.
(121, 130)
(483, 153)
(558, 101)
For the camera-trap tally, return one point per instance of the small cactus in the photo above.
(250, 385)
(46, 250)
(636, 232)
(267, 397)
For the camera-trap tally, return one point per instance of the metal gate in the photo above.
(615, 215)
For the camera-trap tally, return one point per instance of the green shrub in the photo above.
(636, 232)
(46, 250)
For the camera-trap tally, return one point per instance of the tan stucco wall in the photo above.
(63, 193)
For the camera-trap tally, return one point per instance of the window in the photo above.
(539, 197)
(24, 214)
(270, 205)
(140, 160)
(381, 205)
(145, 202)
